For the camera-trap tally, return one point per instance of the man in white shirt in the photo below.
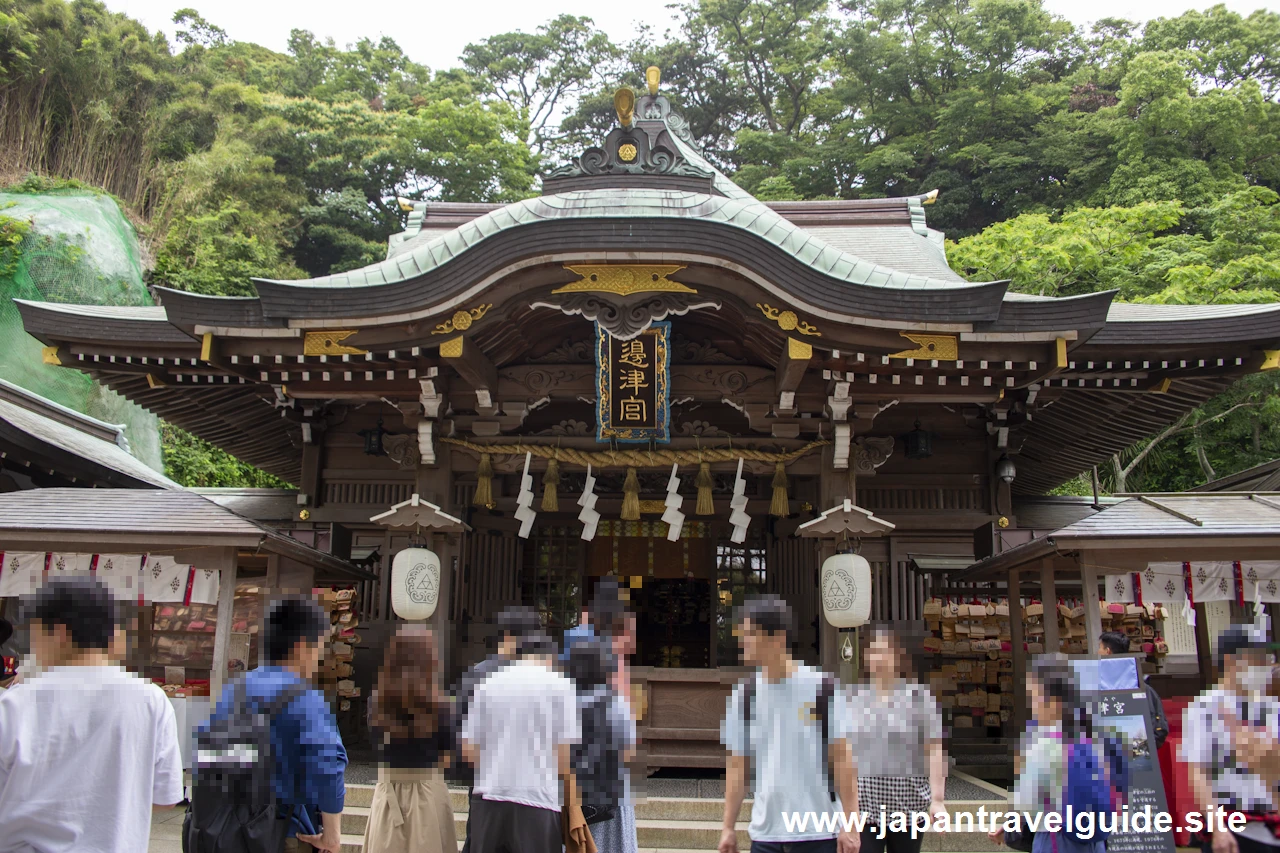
(773, 725)
(86, 749)
(517, 734)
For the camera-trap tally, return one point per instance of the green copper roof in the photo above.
(740, 210)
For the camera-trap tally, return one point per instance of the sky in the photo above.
(435, 33)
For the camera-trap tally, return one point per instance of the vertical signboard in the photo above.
(1119, 706)
(633, 380)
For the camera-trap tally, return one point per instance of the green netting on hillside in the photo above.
(80, 249)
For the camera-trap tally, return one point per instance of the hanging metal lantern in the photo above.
(373, 440)
(415, 584)
(1006, 470)
(846, 590)
(919, 443)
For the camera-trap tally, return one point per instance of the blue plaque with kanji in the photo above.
(633, 386)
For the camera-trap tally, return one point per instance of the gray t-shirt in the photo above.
(890, 732)
(785, 751)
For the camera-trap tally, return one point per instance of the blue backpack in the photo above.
(1093, 786)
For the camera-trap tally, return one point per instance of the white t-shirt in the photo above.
(517, 719)
(784, 745)
(84, 753)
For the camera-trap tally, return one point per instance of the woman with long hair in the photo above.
(896, 739)
(1063, 723)
(412, 731)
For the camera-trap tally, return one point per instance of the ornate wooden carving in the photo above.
(625, 317)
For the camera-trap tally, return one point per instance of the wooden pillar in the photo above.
(226, 564)
(310, 486)
(828, 635)
(1204, 645)
(1092, 616)
(1049, 594)
(1016, 635)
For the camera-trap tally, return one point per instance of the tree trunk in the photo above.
(1121, 475)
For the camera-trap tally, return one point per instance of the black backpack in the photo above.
(822, 707)
(597, 758)
(233, 803)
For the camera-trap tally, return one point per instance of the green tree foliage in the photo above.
(198, 464)
(1139, 158)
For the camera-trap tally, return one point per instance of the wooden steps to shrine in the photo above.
(663, 824)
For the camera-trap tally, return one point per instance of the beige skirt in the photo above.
(411, 813)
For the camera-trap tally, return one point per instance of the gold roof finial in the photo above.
(624, 102)
(653, 76)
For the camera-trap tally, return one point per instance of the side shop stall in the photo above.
(1168, 571)
(196, 575)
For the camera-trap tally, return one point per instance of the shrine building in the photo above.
(645, 315)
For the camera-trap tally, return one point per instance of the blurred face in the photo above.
(306, 657)
(1251, 671)
(49, 645)
(624, 643)
(1045, 709)
(882, 657)
(760, 648)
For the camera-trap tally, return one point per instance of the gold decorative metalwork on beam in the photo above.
(788, 321)
(938, 347)
(625, 279)
(49, 355)
(329, 343)
(462, 320)
(451, 348)
(1272, 360)
(653, 77)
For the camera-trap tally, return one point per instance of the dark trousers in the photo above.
(502, 827)
(825, 845)
(893, 842)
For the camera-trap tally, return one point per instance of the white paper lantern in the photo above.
(415, 583)
(846, 590)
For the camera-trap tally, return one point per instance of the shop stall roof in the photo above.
(39, 433)
(44, 519)
(1201, 524)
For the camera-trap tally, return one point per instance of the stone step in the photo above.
(655, 808)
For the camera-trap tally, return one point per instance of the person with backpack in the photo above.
(87, 750)
(608, 736)
(896, 737)
(1231, 740)
(1116, 643)
(784, 723)
(290, 797)
(413, 735)
(1066, 766)
(518, 735)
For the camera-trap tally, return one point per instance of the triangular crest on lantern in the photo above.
(415, 512)
(844, 519)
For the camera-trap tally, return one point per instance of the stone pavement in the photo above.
(166, 831)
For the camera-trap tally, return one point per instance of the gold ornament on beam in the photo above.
(625, 279)
(462, 320)
(787, 320)
(933, 347)
(329, 343)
